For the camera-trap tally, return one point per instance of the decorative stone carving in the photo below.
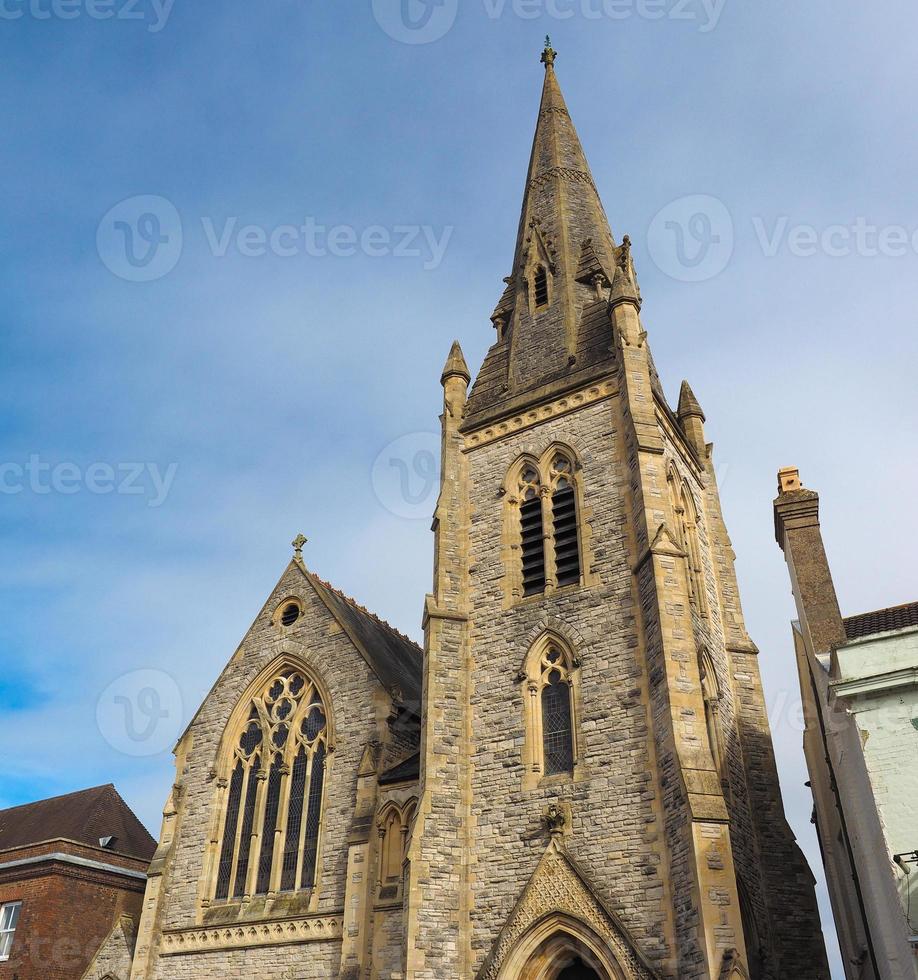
(554, 819)
(247, 935)
(558, 886)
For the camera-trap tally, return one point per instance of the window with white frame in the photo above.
(9, 918)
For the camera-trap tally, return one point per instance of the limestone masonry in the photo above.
(575, 777)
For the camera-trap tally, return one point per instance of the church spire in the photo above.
(551, 319)
(559, 175)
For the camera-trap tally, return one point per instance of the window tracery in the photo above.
(551, 682)
(270, 831)
(545, 524)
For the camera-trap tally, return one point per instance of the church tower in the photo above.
(598, 790)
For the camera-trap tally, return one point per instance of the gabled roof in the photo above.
(882, 620)
(84, 816)
(395, 659)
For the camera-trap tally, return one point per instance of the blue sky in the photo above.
(163, 440)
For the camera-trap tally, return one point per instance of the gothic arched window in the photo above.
(557, 718)
(546, 512)
(686, 529)
(551, 675)
(270, 829)
(394, 830)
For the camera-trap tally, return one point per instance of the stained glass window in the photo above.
(557, 733)
(273, 808)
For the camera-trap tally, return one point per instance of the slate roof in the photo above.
(84, 816)
(882, 620)
(396, 660)
(409, 769)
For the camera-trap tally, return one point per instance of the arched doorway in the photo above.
(559, 947)
(578, 970)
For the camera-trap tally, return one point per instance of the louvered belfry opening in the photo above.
(285, 732)
(532, 534)
(564, 519)
(541, 287)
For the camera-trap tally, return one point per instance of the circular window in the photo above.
(290, 614)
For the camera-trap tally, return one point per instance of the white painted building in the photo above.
(859, 685)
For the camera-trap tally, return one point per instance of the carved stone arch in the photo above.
(554, 943)
(565, 446)
(386, 812)
(559, 904)
(565, 634)
(528, 457)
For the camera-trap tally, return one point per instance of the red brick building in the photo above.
(72, 872)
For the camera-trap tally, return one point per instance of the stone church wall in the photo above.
(358, 715)
(613, 807)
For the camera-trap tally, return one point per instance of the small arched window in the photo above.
(270, 831)
(540, 286)
(551, 712)
(394, 830)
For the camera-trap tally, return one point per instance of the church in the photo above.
(574, 779)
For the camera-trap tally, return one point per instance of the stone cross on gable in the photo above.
(298, 542)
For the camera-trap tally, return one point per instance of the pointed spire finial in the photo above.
(688, 404)
(455, 366)
(298, 542)
(549, 54)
